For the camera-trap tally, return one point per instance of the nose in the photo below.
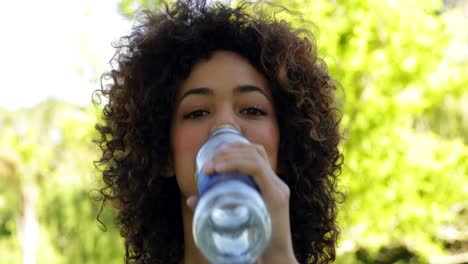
(225, 116)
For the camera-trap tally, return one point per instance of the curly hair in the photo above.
(150, 64)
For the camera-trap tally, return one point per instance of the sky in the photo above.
(55, 49)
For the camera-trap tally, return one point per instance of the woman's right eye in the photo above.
(195, 114)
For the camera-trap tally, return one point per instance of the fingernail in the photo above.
(208, 167)
(191, 201)
(223, 147)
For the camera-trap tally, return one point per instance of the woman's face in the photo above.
(226, 89)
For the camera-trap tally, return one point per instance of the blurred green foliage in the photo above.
(402, 174)
(405, 124)
(50, 147)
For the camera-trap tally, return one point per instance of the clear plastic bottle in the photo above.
(231, 224)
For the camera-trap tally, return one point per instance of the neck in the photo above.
(191, 254)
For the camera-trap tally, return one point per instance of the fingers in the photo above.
(192, 202)
(242, 163)
(249, 159)
(231, 152)
(252, 160)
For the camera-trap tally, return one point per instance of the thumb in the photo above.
(192, 202)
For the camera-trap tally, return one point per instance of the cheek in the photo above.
(269, 139)
(271, 147)
(185, 144)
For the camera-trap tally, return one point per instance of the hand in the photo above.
(252, 160)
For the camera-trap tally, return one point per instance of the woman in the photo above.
(186, 70)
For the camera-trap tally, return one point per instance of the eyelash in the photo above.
(258, 110)
(195, 114)
(252, 110)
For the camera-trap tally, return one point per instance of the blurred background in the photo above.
(403, 69)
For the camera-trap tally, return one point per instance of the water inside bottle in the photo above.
(230, 216)
(233, 231)
(230, 225)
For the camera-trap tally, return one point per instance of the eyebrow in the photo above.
(250, 88)
(241, 89)
(193, 91)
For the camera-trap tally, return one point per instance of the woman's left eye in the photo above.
(256, 111)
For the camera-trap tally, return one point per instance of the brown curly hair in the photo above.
(150, 64)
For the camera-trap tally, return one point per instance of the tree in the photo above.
(389, 58)
(47, 162)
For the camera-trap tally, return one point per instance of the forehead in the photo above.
(224, 70)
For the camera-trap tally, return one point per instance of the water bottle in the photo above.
(231, 224)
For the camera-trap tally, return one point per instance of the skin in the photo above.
(227, 89)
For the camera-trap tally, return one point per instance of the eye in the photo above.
(253, 110)
(196, 114)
